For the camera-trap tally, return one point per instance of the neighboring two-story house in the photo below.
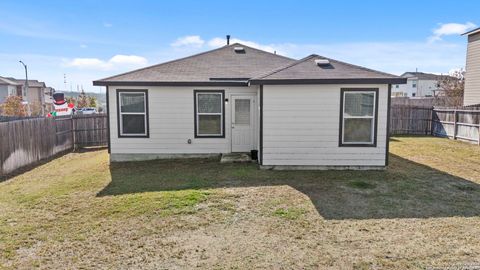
(38, 96)
(9, 87)
(36, 92)
(419, 84)
(471, 94)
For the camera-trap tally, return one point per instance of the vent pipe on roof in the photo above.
(228, 39)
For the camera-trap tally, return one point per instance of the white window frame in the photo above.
(197, 114)
(373, 117)
(121, 114)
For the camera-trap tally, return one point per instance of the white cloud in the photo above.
(391, 57)
(107, 25)
(88, 63)
(219, 42)
(451, 29)
(117, 61)
(194, 41)
(83, 46)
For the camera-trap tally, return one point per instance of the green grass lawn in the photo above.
(79, 212)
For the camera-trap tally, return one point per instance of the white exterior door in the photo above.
(243, 123)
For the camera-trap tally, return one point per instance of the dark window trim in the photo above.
(222, 92)
(261, 125)
(387, 144)
(375, 121)
(147, 127)
(108, 120)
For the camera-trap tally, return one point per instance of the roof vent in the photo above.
(239, 49)
(322, 62)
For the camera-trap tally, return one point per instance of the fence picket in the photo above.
(410, 120)
(25, 142)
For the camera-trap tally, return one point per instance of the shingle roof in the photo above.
(306, 71)
(8, 81)
(423, 76)
(222, 65)
(31, 83)
(472, 32)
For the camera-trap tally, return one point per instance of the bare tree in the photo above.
(452, 88)
(82, 100)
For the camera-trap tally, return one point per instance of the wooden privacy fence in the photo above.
(461, 124)
(410, 120)
(455, 123)
(90, 130)
(26, 142)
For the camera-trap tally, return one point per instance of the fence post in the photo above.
(478, 117)
(73, 133)
(454, 124)
(431, 122)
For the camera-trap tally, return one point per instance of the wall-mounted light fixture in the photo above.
(226, 101)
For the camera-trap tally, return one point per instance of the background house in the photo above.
(9, 87)
(472, 77)
(36, 92)
(419, 84)
(39, 96)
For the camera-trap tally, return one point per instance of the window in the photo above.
(209, 114)
(358, 117)
(242, 111)
(396, 86)
(414, 84)
(132, 113)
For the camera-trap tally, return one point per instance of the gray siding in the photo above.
(472, 81)
(3, 92)
(301, 127)
(171, 121)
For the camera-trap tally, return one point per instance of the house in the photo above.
(48, 98)
(472, 77)
(419, 84)
(313, 113)
(35, 94)
(9, 87)
(39, 96)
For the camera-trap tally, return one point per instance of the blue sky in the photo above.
(88, 40)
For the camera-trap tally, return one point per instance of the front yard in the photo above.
(77, 212)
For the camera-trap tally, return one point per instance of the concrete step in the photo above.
(236, 158)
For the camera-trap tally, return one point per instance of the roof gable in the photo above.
(423, 76)
(7, 81)
(31, 83)
(222, 65)
(307, 71)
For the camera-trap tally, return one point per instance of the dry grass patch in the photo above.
(424, 210)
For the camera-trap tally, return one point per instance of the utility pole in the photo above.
(25, 88)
